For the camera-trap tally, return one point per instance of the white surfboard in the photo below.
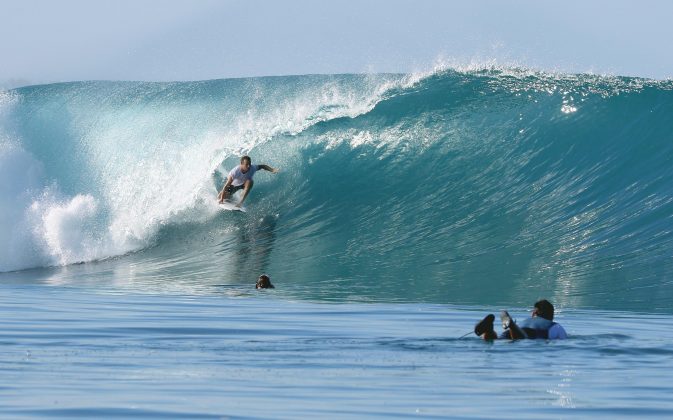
(228, 205)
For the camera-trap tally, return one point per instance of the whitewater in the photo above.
(407, 207)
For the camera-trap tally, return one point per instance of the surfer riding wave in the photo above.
(240, 178)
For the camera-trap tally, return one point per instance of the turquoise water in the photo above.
(407, 207)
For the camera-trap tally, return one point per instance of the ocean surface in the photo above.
(408, 206)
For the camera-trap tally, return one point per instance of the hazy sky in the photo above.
(45, 41)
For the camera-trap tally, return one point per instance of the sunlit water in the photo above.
(67, 351)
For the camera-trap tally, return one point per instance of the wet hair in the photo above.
(545, 309)
(244, 158)
(264, 282)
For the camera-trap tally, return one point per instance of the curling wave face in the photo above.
(478, 186)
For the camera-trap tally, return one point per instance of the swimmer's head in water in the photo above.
(544, 309)
(264, 282)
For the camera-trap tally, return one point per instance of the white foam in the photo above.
(20, 178)
(37, 226)
(69, 229)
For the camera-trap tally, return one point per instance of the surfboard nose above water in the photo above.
(228, 205)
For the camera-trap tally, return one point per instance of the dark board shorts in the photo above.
(231, 189)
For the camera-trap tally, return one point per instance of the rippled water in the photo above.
(68, 351)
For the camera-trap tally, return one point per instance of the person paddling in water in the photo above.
(539, 325)
(264, 282)
(240, 178)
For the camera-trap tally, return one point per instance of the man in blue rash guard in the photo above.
(240, 178)
(539, 325)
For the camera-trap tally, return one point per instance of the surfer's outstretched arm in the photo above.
(268, 168)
